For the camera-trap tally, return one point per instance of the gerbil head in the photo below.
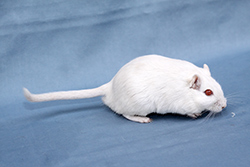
(208, 94)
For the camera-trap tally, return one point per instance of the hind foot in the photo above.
(139, 119)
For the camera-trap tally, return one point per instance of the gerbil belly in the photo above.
(129, 106)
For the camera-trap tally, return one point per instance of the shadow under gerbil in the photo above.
(169, 116)
(206, 115)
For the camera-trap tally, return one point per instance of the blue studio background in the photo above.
(52, 45)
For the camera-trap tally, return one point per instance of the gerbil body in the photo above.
(153, 84)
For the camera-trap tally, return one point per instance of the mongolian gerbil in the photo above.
(152, 84)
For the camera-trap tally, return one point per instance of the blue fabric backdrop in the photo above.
(52, 45)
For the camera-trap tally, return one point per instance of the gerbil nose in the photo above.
(223, 107)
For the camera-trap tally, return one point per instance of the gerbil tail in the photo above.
(65, 95)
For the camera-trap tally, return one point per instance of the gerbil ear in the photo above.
(205, 67)
(195, 82)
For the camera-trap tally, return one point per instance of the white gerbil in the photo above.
(152, 84)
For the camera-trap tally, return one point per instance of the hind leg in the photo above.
(139, 119)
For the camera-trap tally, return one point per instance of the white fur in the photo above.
(152, 84)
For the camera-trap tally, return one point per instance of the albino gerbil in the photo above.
(152, 84)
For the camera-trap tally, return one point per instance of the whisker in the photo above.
(234, 94)
(213, 115)
(210, 115)
(207, 117)
(235, 99)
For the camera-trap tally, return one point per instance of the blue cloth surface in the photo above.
(52, 45)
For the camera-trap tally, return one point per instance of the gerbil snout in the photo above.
(224, 103)
(219, 106)
(224, 106)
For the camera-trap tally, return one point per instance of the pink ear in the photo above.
(195, 82)
(205, 67)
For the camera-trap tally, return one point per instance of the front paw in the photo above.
(194, 115)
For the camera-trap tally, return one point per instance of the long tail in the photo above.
(65, 95)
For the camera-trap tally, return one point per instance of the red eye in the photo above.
(208, 92)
